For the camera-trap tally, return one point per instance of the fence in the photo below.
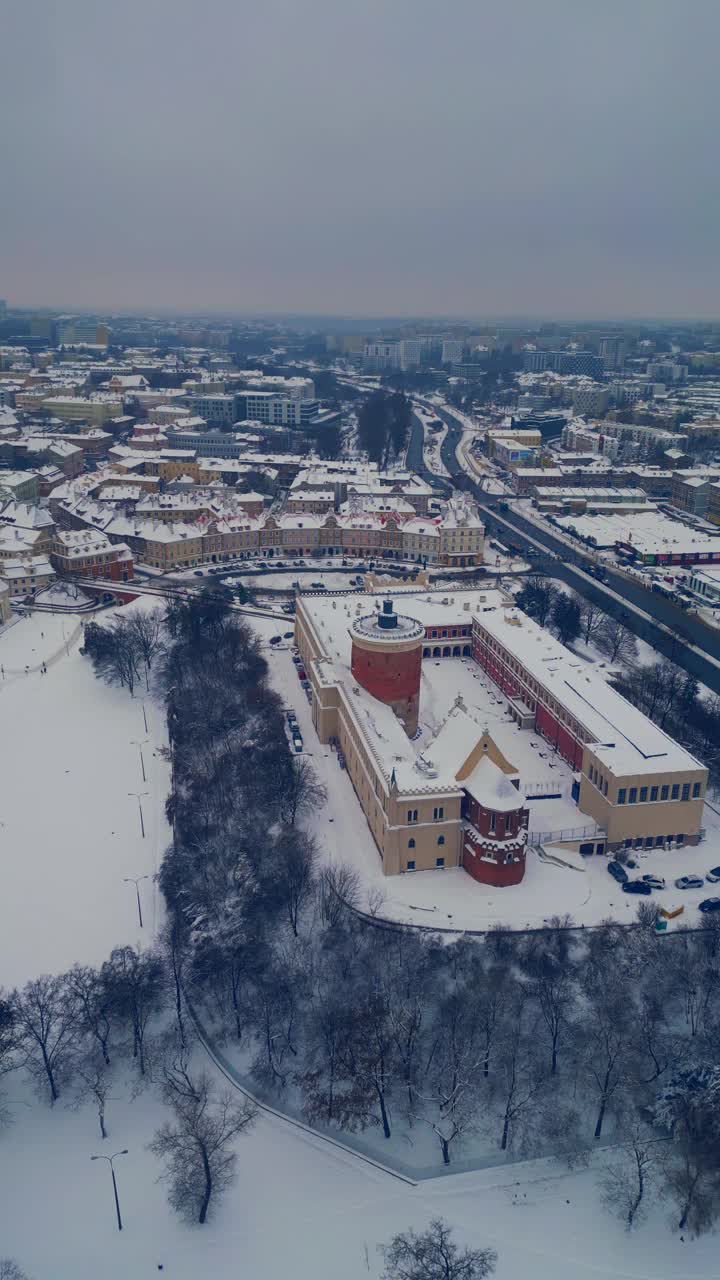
(567, 833)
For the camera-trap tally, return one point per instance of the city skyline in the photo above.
(534, 161)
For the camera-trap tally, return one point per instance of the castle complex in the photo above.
(470, 734)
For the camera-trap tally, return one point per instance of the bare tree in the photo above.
(616, 641)
(8, 1034)
(44, 1016)
(433, 1255)
(92, 1084)
(146, 629)
(607, 1034)
(295, 861)
(9, 1270)
(92, 1005)
(628, 1180)
(135, 981)
(301, 791)
(196, 1146)
(591, 616)
(339, 891)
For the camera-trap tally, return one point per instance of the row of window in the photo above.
(438, 814)
(439, 862)
(642, 795)
(647, 842)
(449, 631)
(411, 842)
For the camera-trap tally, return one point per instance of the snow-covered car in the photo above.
(713, 875)
(709, 904)
(655, 882)
(689, 882)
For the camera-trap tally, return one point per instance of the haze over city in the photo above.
(385, 159)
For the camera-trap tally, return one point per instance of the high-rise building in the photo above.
(535, 361)
(452, 351)
(612, 351)
(584, 363)
(409, 352)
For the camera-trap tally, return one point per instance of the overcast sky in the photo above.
(469, 157)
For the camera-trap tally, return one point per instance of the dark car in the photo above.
(198, 573)
(636, 886)
(275, 639)
(288, 635)
(317, 586)
(617, 872)
(709, 904)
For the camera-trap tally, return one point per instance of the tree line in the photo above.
(384, 425)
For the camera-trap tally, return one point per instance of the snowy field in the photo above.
(69, 831)
(451, 899)
(300, 1207)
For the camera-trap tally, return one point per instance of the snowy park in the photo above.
(71, 844)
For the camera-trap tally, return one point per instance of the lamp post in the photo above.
(139, 796)
(114, 1180)
(136, 881)
(135, 743)
(144, 716)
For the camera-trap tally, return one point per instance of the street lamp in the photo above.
(114, 1180)
(144, 716)
(134, 743)
(136, 881)
(139, 796)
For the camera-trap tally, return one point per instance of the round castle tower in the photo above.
(386, 660)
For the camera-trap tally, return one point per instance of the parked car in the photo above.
(317, 586)
(709, 904)
(297, 659)
(689, 882)
(713, 875)
(636, 886)
(617, 872)
(290, 716)
(288, 635)
(655, 882)
(198, 573)
(275, 639)
(298, 745)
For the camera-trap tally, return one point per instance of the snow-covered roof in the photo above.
(492, 788)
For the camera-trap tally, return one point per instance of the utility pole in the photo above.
(136, 881)
(140, 745)
(114, 1180)
(140, 796)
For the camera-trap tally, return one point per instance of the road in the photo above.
(674, 633)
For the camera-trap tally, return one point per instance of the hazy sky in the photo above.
(555, 157)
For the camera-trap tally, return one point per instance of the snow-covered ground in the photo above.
(300, 1208)
(69, 830)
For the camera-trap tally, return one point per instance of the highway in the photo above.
(673, 632)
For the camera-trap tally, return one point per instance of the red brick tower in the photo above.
(386, 660)
(496, 818)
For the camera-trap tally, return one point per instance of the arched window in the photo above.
(441, 839)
